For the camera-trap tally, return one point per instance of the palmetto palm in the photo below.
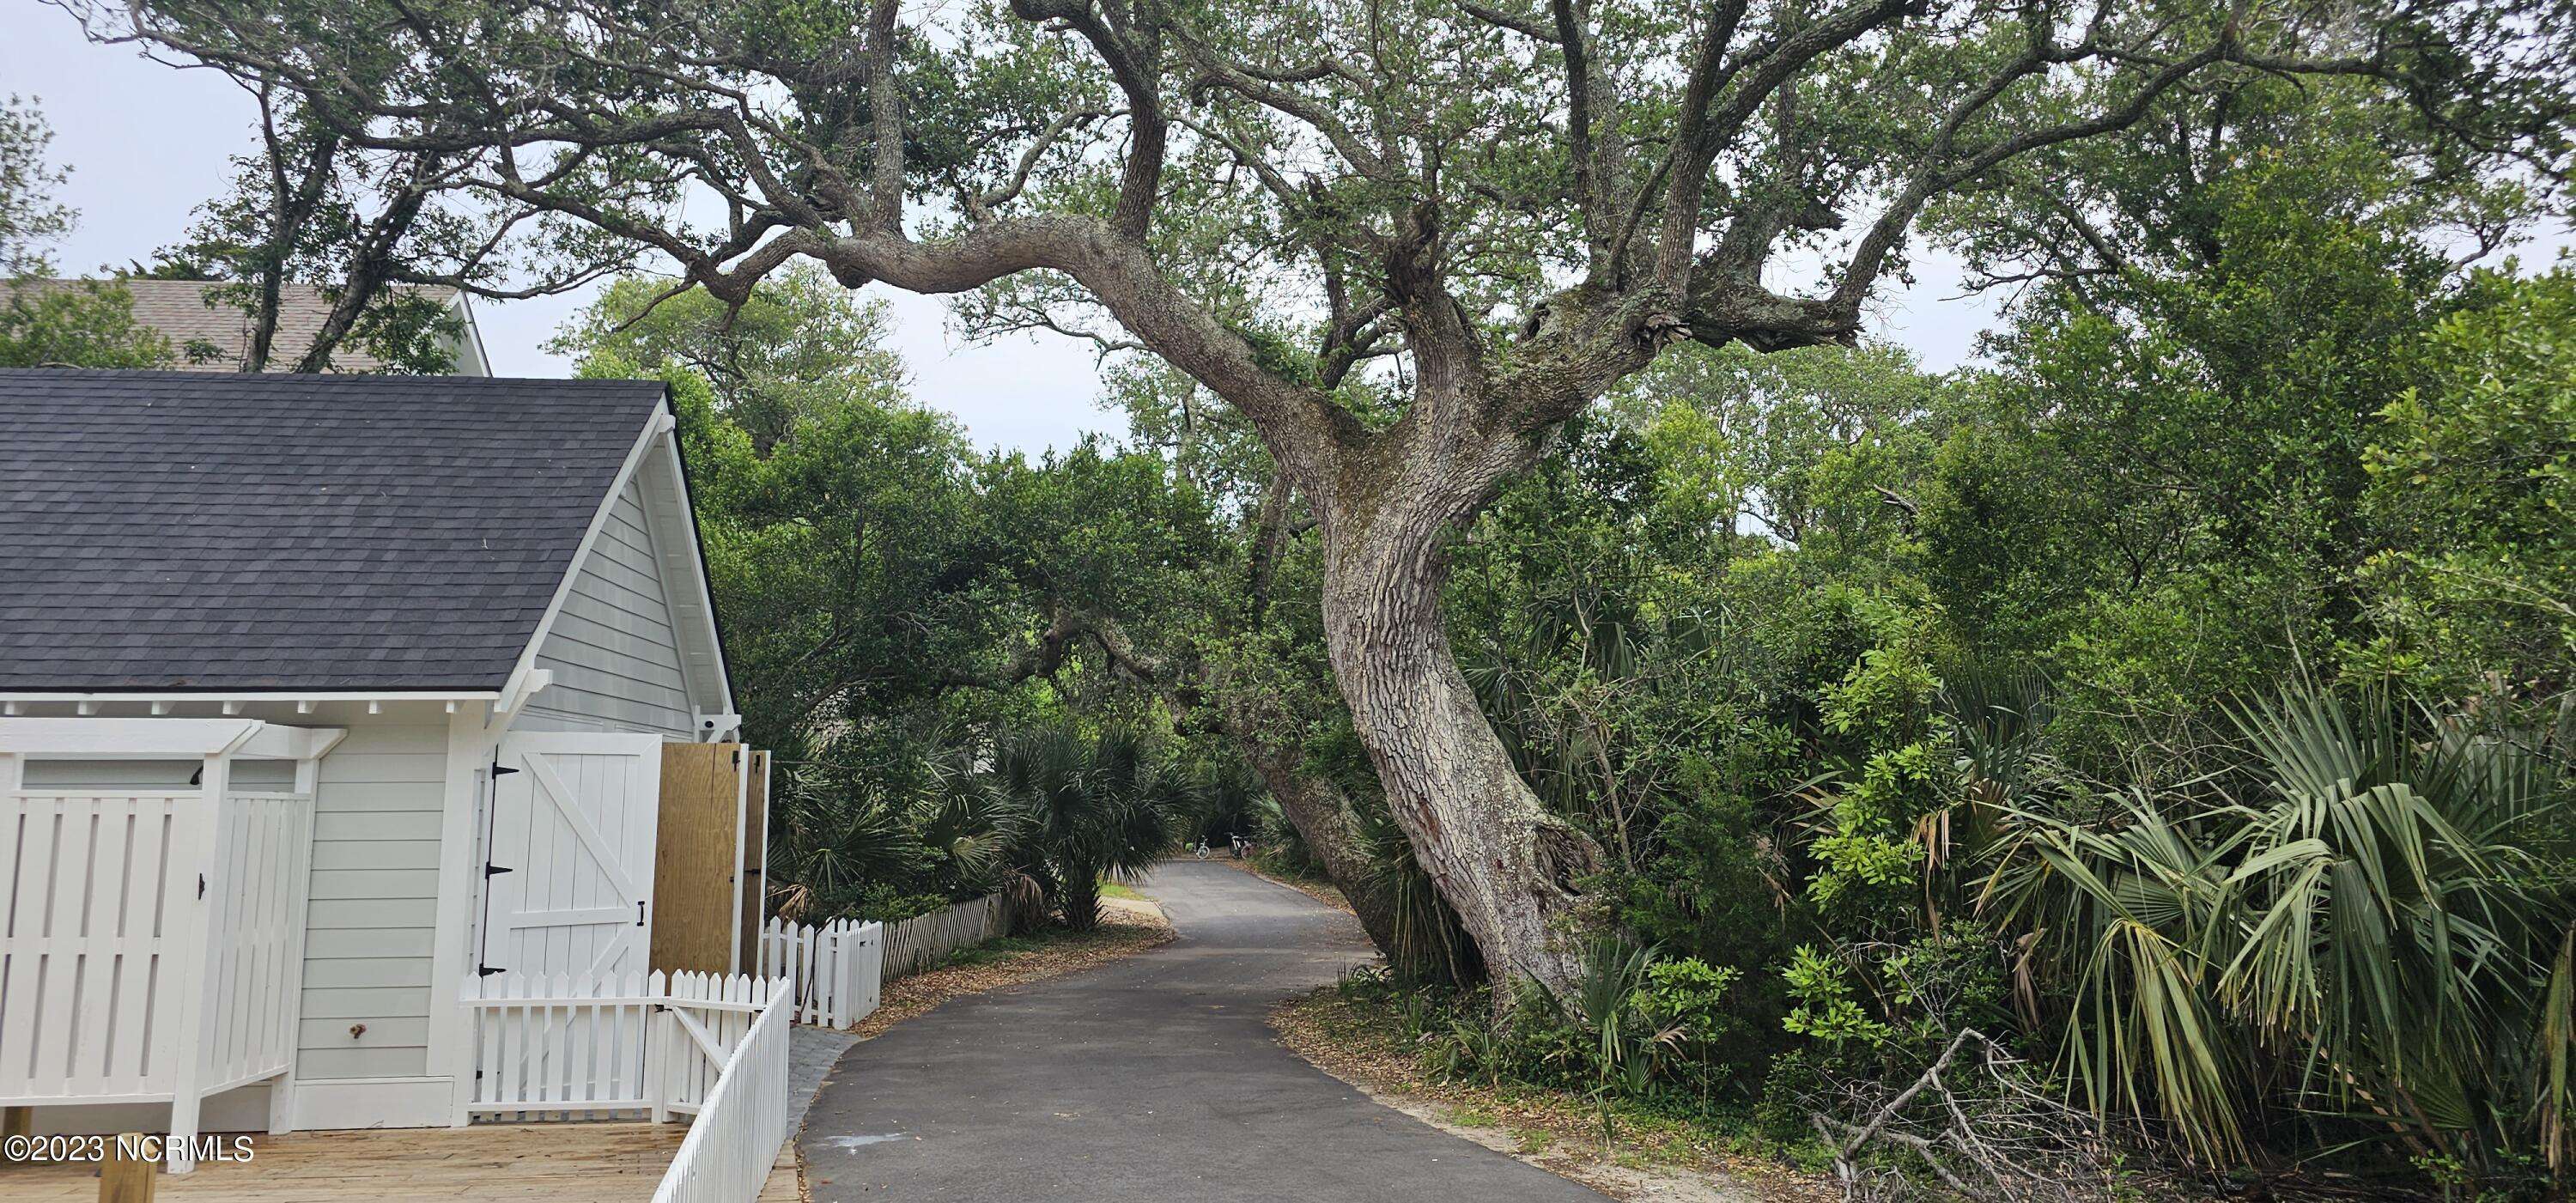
(829, 841)
(964, 819)
(1429, 944)
(2371, 919)
(2128, 902)
(1090, 807)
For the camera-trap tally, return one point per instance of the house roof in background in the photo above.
(184, 313)
(177, 530)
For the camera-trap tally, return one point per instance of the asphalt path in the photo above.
(1153, 1078)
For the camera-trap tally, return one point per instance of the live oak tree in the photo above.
(1406, 240)
(299, 211)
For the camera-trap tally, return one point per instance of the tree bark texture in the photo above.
(1503, 863)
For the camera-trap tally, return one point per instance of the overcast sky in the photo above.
(146, 143)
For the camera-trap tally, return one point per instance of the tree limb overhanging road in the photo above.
(1152, 1079)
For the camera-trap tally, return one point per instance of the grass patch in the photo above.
(1112, 889)
(1001, 948)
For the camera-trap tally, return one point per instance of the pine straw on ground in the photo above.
(1126, 927)
(1649, 1158)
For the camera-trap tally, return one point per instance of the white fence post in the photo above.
(198, 954)
(658, 1052)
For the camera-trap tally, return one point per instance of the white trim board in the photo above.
(655, 461)
(688, 592)
(328, 1104)
(471, 749)
(163, 738)
(515, 686)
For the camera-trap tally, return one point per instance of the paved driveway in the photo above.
(1153, 1079)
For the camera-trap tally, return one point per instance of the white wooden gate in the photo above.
(837, 969)
(632, 1046)
(568, 854)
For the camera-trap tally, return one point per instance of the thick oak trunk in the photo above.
(1499, 858)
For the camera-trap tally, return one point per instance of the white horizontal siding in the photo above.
(615, 659)
(374, 914)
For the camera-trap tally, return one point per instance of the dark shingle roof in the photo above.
(169, 530)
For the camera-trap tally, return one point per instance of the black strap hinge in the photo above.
(493, 870)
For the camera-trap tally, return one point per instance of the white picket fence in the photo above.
(841, 968)
(694, 1044)
(742, 1119)
(837, 969)
(615, 1047)
(920, 942)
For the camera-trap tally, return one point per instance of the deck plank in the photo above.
(507, 1163)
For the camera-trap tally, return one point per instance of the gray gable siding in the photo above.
(613, 650)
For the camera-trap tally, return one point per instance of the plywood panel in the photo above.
(694, 862)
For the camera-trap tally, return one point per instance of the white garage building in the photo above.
(321, 696)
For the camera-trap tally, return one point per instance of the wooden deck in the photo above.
(537, 1163)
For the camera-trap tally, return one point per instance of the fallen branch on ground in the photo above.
(1977, 1126)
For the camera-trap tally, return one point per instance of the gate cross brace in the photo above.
(698, 1035)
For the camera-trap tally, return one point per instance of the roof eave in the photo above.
(162, 693)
